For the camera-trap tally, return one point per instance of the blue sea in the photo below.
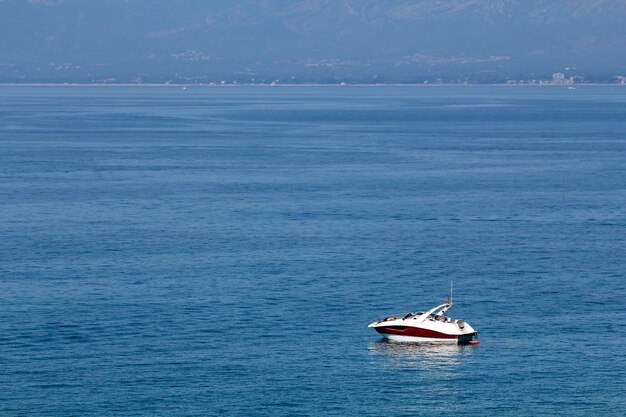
(221, 251)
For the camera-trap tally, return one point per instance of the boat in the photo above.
(430, 326)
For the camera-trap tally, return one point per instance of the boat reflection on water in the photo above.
(437, 357)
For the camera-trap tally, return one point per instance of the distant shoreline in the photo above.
(301, 85)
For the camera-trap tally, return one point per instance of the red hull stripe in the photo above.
(413, 331)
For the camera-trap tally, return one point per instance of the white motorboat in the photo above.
(430, 326)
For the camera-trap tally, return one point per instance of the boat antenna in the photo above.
(451, 292)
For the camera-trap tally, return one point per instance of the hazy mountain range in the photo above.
(310, 40)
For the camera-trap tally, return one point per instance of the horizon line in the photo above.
(343, 84)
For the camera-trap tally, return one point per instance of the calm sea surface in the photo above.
(220, 251)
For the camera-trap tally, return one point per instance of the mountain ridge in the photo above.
(309, 40)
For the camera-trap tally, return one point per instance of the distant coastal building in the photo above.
(558, 78)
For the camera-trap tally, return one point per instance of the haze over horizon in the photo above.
(310, 41)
